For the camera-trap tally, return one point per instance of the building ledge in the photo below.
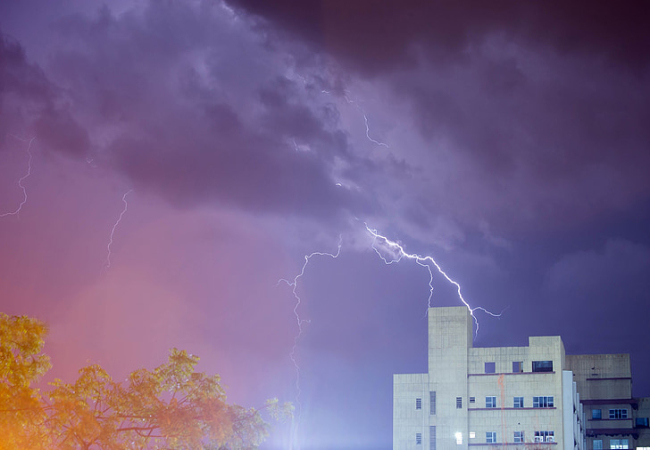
(506, 373)
(608, 379)
(612, 401)
(593, 432)
(509, 409)
(519, 444)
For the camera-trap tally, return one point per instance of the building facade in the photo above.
(515, 397)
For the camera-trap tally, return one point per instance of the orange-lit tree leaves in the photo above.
(171, 407)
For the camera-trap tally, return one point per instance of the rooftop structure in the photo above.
(520, 397)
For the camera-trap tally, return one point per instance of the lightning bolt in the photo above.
(365, 119)
(23, 178)
(115, 225)
(392, 252)
(294, 287)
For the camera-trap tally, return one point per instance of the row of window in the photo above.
(518, 402)
(491, 438)
(613, 443)
(518, 366)
(615, 413)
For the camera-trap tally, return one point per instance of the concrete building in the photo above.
(519, 397)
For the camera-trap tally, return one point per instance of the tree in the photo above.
(171, 407)
(21, 365)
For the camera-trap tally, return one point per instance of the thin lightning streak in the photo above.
(294, 286)
(23, 178)
(365, 119)
(397, 253)
(119, 219)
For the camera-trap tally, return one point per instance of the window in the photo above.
(542, 402)
(418, 403)
(542, 366)
(598, 444)
(618, 413)
(642, 422)
(519, 437)
(459, 402)
(595, 414)
(459, 438)
(544, 436)
(490, 367)
(490, 402)
(491, 437)
(432, 438)
(472, 434)
(418, 438)
(432, 403)
(519, 402)
(472, 399)
(619, 443)
(517, 366)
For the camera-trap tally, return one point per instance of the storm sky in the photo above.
(508, 140)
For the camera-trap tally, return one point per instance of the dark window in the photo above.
(519, 437)
(519, 402)
(542, 402)
(596, 414)
(472, 399)
(432, 438)
(418, 403)
(642, 422)
(491, 437)
(542, 366)
(459, 402)
(490, 367)
(618, 413)
(544, 436)
(432, 403)
(490, 402)
(517, 366)
(418, 438)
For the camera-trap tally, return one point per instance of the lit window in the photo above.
(490, 367)
(490, 402)
(491, 437)
(544, 436)
(618, 413)
(596, 414)
(459, 402)
(517, 366)
(542, 402)
(542, 366)
(418, 403)
(598, 444)
(619, 443)
(459, 438)
(519, 402)
(472, 434)
(418, 438)
(519, 437)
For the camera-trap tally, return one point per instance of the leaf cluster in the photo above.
(172, 407)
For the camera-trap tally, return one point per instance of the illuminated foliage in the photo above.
(172, 407)
(21, 364)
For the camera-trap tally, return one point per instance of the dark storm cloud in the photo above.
(209, 116)
(31, 104)
(374, 36)
(542, 105)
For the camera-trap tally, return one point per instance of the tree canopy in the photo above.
(171, 407)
